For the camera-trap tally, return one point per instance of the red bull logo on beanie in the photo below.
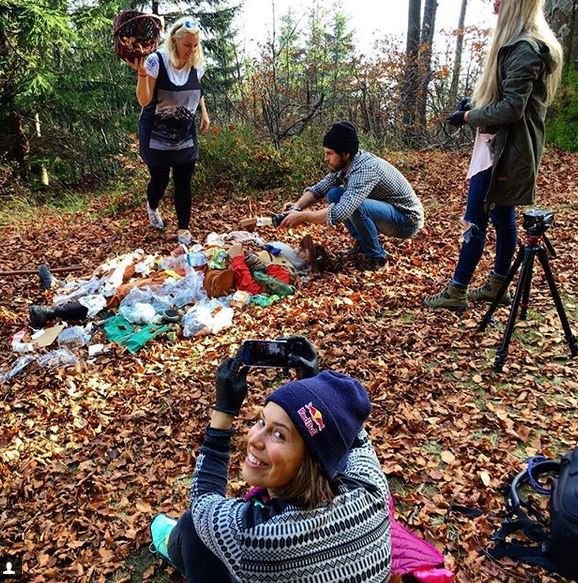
(312, 418)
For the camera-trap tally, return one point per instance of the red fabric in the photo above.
(243, 278)
(279, 272)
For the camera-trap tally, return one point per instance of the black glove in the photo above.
(231, 386)
(457, 119)
(465, 104)
(302, 356)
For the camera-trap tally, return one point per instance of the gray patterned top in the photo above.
(346, 540)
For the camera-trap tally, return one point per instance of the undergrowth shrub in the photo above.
(562, 129)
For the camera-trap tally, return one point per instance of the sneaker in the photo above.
(161, 528)
(451, 297)
(489, 290)
(184, 237)
(155, 219)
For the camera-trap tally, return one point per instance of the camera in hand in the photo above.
(277, 219)
(265, 353)
(537, 221)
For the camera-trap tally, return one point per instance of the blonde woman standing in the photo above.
(519, 80)
(169, 92)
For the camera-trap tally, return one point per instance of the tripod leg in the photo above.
(526, 294)
(570, 338)
(523, 281)
(496, 301)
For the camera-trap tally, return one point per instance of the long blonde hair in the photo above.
(184, 25)
(517, 17)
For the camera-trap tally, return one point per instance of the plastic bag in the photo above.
(19, 365)
(139, 313)
(208, 317)
(58, 358)
(74, 336)
(18, 345)
(187, 290)
(94, 303)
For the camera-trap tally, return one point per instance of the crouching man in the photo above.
(366, 193)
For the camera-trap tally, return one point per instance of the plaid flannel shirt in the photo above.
(369, 177)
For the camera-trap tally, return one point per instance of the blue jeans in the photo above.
(504, 220)
(371, 218)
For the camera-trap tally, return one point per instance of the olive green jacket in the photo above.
(517, 120)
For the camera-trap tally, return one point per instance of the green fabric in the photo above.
(517, 120)
(131, 336)
(273, 285)
(263, 300)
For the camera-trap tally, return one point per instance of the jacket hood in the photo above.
(541, 48)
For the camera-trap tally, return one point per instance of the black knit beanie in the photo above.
(328, 411)
(342, 137)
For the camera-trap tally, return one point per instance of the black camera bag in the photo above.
(557, 548)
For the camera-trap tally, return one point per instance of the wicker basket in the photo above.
(136, 34)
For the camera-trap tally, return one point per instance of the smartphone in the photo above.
(265, 353)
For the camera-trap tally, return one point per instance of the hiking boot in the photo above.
(155, 219)
(161, 528)
(184, 237)
(489, 291)
(39, 315)
(451, 297)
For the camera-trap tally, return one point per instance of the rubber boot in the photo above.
(489, 291)
(451, 297)
(40, 315)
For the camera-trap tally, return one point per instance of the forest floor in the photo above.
(88, 455)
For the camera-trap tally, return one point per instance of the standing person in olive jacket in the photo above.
(520, 78)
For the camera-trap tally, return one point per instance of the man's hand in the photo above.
(231, 386)
(291, 206)
(457, 119)
(294, 218)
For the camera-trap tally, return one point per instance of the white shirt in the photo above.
(177, 76)
(482, 157)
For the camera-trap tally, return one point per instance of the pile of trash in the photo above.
(137, 296)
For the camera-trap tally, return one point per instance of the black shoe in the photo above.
(39, 315)
(371, 263)
(351, 252)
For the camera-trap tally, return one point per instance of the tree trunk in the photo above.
(19, 147)
(453, 97)
(426, 43)
(562, 16)
(410, 82)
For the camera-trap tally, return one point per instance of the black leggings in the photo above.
(191, 557)
(182, 175)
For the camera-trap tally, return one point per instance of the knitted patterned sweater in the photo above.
(346, 540)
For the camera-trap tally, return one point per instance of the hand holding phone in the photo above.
(231, 386)
(302, 356)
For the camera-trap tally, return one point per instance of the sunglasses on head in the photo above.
(190, 24)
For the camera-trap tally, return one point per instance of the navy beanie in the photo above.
(328, 410)
(342, 137)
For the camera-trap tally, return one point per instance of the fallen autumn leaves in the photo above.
(89, 455)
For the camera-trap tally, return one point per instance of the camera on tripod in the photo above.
(537, 221)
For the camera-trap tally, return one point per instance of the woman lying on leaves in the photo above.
(169, 91)
(509, 104)
(318, 509)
